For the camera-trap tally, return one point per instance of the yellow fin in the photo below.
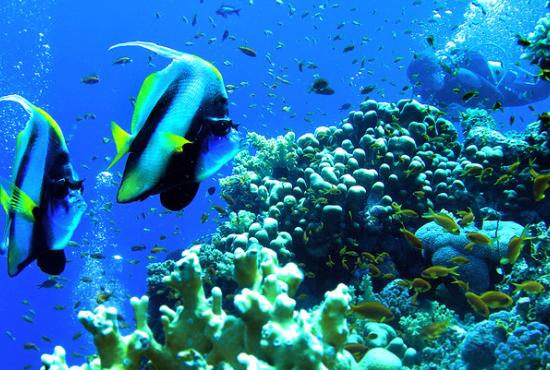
(4, 199)
(122, 141)
(21, 203)
(176, 141)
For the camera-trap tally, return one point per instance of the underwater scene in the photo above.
(275, 184)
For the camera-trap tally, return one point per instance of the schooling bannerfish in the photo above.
(44, 199)
(180, 132)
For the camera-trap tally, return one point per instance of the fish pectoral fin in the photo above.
(176, 142)
(179, 197)
(123, 140)
(19, 202)
(52, 261)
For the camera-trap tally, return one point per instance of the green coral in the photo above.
(279, 152)
(411, 325)
(199, 334)
(538, 50)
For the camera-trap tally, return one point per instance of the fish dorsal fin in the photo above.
(158, 49)
(122, 140)
(168, 53)
(19, 202)
(27, 105)
(54, 126)
(32, 110)
(176, 142)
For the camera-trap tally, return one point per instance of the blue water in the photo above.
(49, 46)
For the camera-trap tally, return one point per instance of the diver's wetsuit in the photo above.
(472, 75)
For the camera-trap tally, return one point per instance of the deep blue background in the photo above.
(76, 35)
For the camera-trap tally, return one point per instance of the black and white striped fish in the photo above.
(44, 199)
(180, 134)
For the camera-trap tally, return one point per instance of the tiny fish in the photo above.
(345, 106)
(122, 60)
(469, 95)
(138, 247)
(90, 79)
(247, 51)
(367, 89)
(522, 41)
(348, 48)
(31, 346)
(430, 40)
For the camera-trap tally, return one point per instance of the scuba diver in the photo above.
(472, 82)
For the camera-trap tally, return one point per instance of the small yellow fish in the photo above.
(467, 217)
(434, 272)
(496, 299)
(515, 246)
(464, 285)
(411, 239)
(459, 260)
(374, 311)
(477, 304)
(435, 330)
(478, 238)
(410, 213)
(541, 183)
(529, 286)
(443, 220)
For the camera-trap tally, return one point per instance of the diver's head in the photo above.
(425, 73)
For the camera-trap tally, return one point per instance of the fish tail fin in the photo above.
(122, 141)
(517, 288)
(27, 105)
(175, 141)
(452, 270)
(429, 214)
(158, 49)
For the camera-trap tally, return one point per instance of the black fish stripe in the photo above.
(155, 117)
(20, 177)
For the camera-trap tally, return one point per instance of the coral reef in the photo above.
(537, 50)
(386, 208)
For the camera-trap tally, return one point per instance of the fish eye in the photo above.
(77, 185)
(61, 188)
(222, 126)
